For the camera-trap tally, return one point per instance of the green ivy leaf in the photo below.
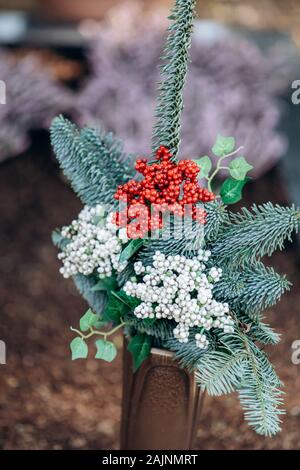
(239, 167)
(231, 190)
(105, 284)
(99, 322)
(205, 166)
(128, 300)
(139, 347)
(118, 304)
(132, 247)
(88, 320)
(114, 309)
(105, 350)
(149, 321)
(79, 349)
(223, 146)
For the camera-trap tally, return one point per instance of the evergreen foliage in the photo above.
(186, 244)
(161, 330)
(180, 236)
(263, 333)
(263, 287)
(252, 289)
(58, 240)
(93, 161)
(217, 217)
(125, 275)
(95, 299)
(260, 395)
(188, 354)
(242, 366)
(230, 286)
(173, 73)
(220, 373)
(254, 234)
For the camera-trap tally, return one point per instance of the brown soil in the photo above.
(46, 400)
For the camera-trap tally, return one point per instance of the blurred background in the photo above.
(96, 61)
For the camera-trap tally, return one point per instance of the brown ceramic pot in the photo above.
(161, 404)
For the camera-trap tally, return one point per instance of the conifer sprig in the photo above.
(93, 161)
(85, 286)
(173, 75)
(260, 394)
(254, 234)
(216, 219)
(252, 289)
(241, 366)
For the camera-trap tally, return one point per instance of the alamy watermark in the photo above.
(296, 94)
(2, 352)
(295, 358)
(160, 221)
(2, 92)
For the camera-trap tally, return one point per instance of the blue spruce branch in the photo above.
(93, 161)
(254, 234)
(189, 354)
(263, 288)
(241, 366)
(216, 220)
(161, 329)
(173, 75)
(264, 334)
(260, 395)
(252, 289)
(182, 236)
(95, 299)
(220, 373)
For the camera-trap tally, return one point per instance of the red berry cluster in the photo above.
(170, 186)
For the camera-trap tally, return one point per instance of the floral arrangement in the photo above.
(156, 251)
(234, 89)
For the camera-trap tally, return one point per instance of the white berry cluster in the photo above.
(93, 244)
(201, 341)
(181, 289)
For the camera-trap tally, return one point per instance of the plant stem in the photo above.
(220, 167)
(93, 332)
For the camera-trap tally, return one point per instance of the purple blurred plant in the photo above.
(231, 89)
(33, 98)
